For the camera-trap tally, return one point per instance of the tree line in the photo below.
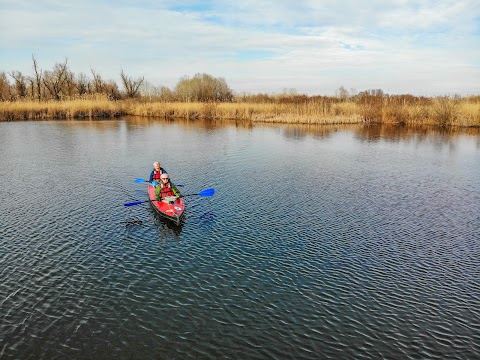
(61, 83)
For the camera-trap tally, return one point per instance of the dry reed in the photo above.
(442, 111)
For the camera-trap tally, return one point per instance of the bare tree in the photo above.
(31, 87)
(81, 84)
(342, 93)
(38, 79)
(70, 86)
(183, 89)
(5, 88)
(111, 89)
(20, 84)
(131, 86)
(166, 94)
(148, 90)
(54, 81)
(97, 83)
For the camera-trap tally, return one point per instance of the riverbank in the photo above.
(442, 111)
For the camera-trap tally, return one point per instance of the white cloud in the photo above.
(313, 46)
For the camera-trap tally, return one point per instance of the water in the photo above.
(320, 242)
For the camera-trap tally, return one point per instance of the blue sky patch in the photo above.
(352, 46)
(194, 7)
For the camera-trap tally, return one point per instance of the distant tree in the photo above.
(82, 83)
(132, 87)
(37, 84)
(20, 84)
(70, 87)
(342, 93)
(5, 88)
(55, 80)
(148, 90)
(289, 91)
(203, 87)
(31, 87)
(184, 89)
(166, 94)
(110, 88)
(97, 85)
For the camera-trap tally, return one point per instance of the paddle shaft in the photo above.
(142, 180)
(206, 192)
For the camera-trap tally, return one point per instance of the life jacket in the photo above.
(166, 191)
(156, 175)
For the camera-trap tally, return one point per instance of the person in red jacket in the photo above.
(156, 173)
(165, 188)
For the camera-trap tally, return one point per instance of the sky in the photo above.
(313, 47)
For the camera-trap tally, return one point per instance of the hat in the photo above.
(164, 176)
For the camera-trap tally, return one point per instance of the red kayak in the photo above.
(171, 208)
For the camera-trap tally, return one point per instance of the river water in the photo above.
(320, 242)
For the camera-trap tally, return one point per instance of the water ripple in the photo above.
(310, 248)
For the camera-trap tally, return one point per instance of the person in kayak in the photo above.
(156, 172)
(165, 188)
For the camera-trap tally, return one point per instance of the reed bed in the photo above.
(442, 111)
(308, 113)
(69, 109)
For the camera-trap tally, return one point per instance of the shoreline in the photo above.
(439, 112)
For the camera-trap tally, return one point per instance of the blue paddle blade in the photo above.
(207, 192)
(139, 180)
(134, 203)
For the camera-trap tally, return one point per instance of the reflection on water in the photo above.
(195, 125)
(299, 131)
(97, 125)
(163, 223)
(378, 132)
(417, 133)
(334, 241)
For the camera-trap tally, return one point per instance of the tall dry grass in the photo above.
(94, 107)
(307, 113)
(441, 111)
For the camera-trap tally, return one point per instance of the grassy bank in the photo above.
(441, 111)
(72, 109)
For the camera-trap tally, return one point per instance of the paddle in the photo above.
(142, 180)
(206, 192)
